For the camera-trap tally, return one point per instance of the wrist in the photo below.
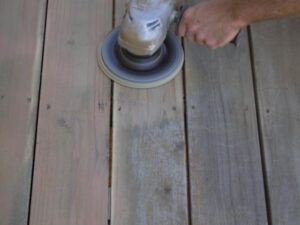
(238, 14)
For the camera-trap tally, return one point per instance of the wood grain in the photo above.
(71, 165)
(225, 165)
(21, 43)
(276, 47)
(149, 169)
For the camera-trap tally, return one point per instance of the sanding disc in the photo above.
(164, 72)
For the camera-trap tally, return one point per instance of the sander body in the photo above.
(141, 52)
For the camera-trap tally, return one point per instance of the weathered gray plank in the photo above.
(21, 43)
(276, 47)
(71, 165)
(225, 165)
(149, 170)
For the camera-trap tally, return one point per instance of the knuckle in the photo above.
(189, 32)
(193, 28)
(187, 14)
(200, 37)
(212, 44)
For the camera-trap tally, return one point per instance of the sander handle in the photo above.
(235, 41)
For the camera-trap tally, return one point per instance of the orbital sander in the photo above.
(141, 52)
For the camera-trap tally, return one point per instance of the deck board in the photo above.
(225, 166)
(227, 150)
(70, 183)
(21, 45)
(149, 169)
(276, 48)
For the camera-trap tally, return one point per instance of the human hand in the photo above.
(210, 23)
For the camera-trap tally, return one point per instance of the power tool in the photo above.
(141, 52)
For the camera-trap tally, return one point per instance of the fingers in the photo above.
(200, 39)
(219, 41)
(185, 20)
(187, 26)
(203, 37)
(200, 25)
(191, 33)
(181, 29)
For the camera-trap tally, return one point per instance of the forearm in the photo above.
(249, 11)
(214, 23)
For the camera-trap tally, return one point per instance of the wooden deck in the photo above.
(219, 145)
